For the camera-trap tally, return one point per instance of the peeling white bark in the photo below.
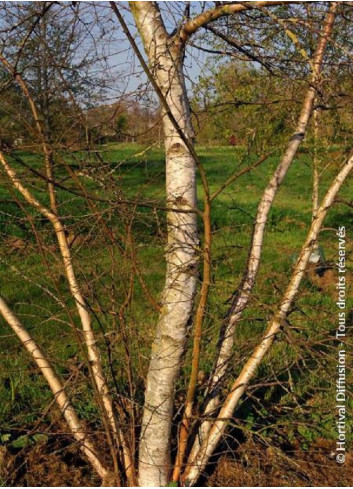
(208, 446)
(181, 256)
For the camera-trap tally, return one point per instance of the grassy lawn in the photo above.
(303, 359)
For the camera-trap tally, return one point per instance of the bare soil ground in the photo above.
(256, 466)
(59, 463)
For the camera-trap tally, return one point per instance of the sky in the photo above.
(129, 69)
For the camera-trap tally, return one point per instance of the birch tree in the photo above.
(154, 455)
(165, 452)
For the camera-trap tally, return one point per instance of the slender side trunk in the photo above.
(196, 352)
(315, 256)
(242, 296)
(248, 372)
(316, 176)
(57, 388)
(52, 215)
(44, 120)
(181, 255)
(88, 333)
(48, 162)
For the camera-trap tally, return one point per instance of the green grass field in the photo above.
(300, 371)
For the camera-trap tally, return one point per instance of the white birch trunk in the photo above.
(180, 283)
(208, 446)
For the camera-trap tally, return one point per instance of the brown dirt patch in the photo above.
(49, 465)
(254, 465)
(58, 463)
(15, 245)
(323, 276)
